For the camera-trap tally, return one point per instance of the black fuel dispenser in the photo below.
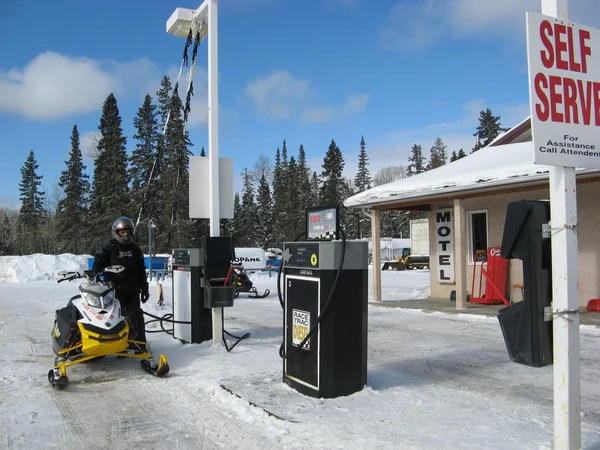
(325, 312)
(527, 332)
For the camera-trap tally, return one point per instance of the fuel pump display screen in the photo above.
(303, 255)
(322, 223)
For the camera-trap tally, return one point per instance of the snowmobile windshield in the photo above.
(98, 295)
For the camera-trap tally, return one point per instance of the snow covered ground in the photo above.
(435, 381)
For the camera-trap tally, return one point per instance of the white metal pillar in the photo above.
(376, 253)
(179, 25)
(565, 295)
(461, 257)
(213, 145)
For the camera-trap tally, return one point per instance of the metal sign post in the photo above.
(562, 67)
(179, 24)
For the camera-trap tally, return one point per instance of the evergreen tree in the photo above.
(294, 208)
(489, 128)
(110, 193)
(417, 161)
(161, 184)
(315, 188)
(31, 214)
(178, 226)
(264, 208)
(280, 199)
(362, 181)
(144, 168)
(202, 152)
(437, 155)
(236, 227)
(332, 188)
(249, 220)
(71, 211)
(461, 154)
(164, 102)
(6, 244)
(303, 184)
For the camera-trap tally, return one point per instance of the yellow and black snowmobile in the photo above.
(93, 325)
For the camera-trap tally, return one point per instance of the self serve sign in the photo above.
(300, 328)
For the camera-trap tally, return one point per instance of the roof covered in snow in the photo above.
(492, 167)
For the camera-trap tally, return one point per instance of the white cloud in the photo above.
(54, 86)
(416, 25)
(280, 95)
(88, 143)
(393, 148)
(355, 104)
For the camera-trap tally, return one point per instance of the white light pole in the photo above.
(151, 228)
(565, 295)
(179, 25)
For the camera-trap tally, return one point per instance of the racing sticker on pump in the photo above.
(300, 328)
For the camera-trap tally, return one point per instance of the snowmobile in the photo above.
(242, 283)
(92, 326)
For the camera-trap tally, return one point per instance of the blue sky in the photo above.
(397, 72)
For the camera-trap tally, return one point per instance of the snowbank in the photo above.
(38, 267)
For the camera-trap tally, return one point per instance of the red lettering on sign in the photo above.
(315, 218)
(559, 45)
(566, 100)
(584, 50)
(545, 33)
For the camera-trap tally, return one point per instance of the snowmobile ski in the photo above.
(57, 380)
(158, 370)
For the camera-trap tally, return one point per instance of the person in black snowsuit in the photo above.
(132, 282)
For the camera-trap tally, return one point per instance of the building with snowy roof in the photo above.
(472, 195)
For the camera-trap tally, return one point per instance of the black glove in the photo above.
(145, 294)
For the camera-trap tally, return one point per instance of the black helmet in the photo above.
(122, 230)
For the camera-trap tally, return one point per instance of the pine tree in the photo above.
(303, 183)
(333, 185)
(164, 102)
(264, 207)
(461, 154)
(71, 212)
(110, 193)
(176, 179)
(6, 241)
(489, 128)
(279, 199)
(31, 213)
(437, 155)
(315, 188)
(454, 156)
(202, 152)
(417, 161)
(249, 219)
(161, 184)
(294, 208)
(144, 168)
(236, 227)
(363, 180)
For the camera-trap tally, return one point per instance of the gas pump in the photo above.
(325, 309)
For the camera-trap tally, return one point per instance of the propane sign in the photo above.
(564, 92)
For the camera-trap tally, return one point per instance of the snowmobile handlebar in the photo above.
(68, 276)
(91, 275)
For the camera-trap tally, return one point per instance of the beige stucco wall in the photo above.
(588, 200)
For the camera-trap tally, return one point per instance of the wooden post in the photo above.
(376, 252)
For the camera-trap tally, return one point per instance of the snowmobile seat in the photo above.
(66, 322)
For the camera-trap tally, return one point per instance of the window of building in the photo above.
(478, 234)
